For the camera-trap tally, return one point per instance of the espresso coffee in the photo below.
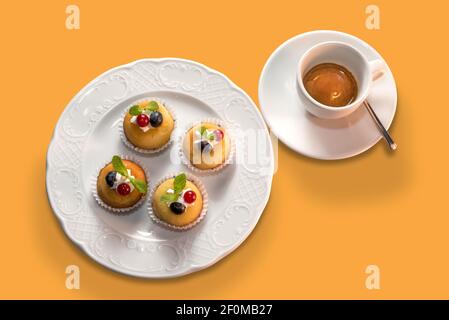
(331, 84)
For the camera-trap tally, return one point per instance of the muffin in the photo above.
(207, 146)
(148, 125)
(121, 184)
(178, 201)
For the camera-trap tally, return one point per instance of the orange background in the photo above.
(325, 221)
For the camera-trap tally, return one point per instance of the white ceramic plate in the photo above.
(284, 111)
(87, 135)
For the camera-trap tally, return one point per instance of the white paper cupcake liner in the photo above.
(200, 187)
(141, 150)
(186, 161)
(119, 211)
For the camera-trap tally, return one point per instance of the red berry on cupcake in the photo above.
(123, 189)
(219, 134)
(142, 120)
(189, 196)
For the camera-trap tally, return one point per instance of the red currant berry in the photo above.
(189, 196)
(219, 134)
(142, 120)
(123, 189)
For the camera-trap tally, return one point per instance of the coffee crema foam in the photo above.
(331, 84)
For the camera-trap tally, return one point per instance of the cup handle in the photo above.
(377, 69)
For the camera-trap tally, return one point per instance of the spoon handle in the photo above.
(382, 129)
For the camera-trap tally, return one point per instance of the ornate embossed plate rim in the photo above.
(85, 246)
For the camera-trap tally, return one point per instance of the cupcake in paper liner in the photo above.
(178, 201)
(206, 146)
(121, 185)
(147, 126)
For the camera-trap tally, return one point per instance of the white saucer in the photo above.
(304, 133)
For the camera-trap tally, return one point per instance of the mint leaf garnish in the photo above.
(202, 130)
(180, 183)
(140, 185)
(118, 165)
(152, 106)
(135, 110)
(169, 197)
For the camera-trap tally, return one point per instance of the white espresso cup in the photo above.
(365, 73)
